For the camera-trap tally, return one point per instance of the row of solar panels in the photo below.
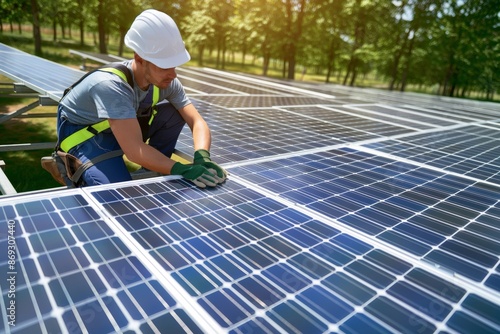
(162, 254)
(340, 214)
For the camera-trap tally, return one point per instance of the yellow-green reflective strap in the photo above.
(153, 114)
(82, 135)
(115, 71)
(156, 97)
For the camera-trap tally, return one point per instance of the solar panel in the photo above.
(71, 271)
(432, 215)
(339, 215)
(41, 75)
(243, 134)
(471, 150)
(156, 254)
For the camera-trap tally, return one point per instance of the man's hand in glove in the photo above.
(202, 158)
(198, 174)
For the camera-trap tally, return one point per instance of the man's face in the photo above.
(160, 77)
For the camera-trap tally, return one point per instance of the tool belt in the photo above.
(67, 169)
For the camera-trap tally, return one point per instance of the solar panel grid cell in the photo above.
(253, 88)
(274, 131)
(406, 113)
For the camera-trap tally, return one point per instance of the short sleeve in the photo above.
(113, 99)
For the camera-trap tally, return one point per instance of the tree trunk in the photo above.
(63, 30)
(81, 23)
(295, 33)
(265, 64)
(82, 32)
(407, 66)
(123, 31)
(201, 49)
(350, 68)
(54, 30)
(328, 73)
(244, 51)
(37, 36)
(291, 62)
(223, 52)
(101, 27)
(331, 59)
(395, 66)
(285, 61)
(354, 75)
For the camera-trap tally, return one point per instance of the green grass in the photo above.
(23, 168)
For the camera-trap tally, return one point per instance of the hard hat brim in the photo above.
(170, 62)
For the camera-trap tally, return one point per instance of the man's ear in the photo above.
(138, 59)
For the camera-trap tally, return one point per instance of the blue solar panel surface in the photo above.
(41, 75)
(353, 211)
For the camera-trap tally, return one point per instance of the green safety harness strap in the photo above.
(156, 97)
(83, 134)
(90, 131)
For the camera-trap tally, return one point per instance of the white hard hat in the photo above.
(155, 37)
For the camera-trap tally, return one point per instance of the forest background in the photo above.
(443, 47)
(446, 47)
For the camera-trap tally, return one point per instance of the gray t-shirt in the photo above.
(104, 95)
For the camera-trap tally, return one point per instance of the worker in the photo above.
(144, 132)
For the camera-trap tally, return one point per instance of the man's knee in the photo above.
(167, 116)
(166, 128)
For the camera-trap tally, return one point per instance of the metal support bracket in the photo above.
(6, 188)
(24, 109)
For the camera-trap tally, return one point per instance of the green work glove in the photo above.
(202, 157)
(197, 174)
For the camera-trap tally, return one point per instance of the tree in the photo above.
(424, 13)
(362, 11)
(243, 22)
(401, 36)
(199, 28)
(450, 44)
(125, 15)
(37, 36)
(266, 30)
(324, 27)
(222, 11)
(469, 37)
(101, 26)
(294, 19)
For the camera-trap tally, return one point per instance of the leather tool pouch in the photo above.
(71, 163)
(62, 165)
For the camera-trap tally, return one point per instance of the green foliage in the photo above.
(449, 43)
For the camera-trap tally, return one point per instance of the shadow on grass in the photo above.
(23, 168)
